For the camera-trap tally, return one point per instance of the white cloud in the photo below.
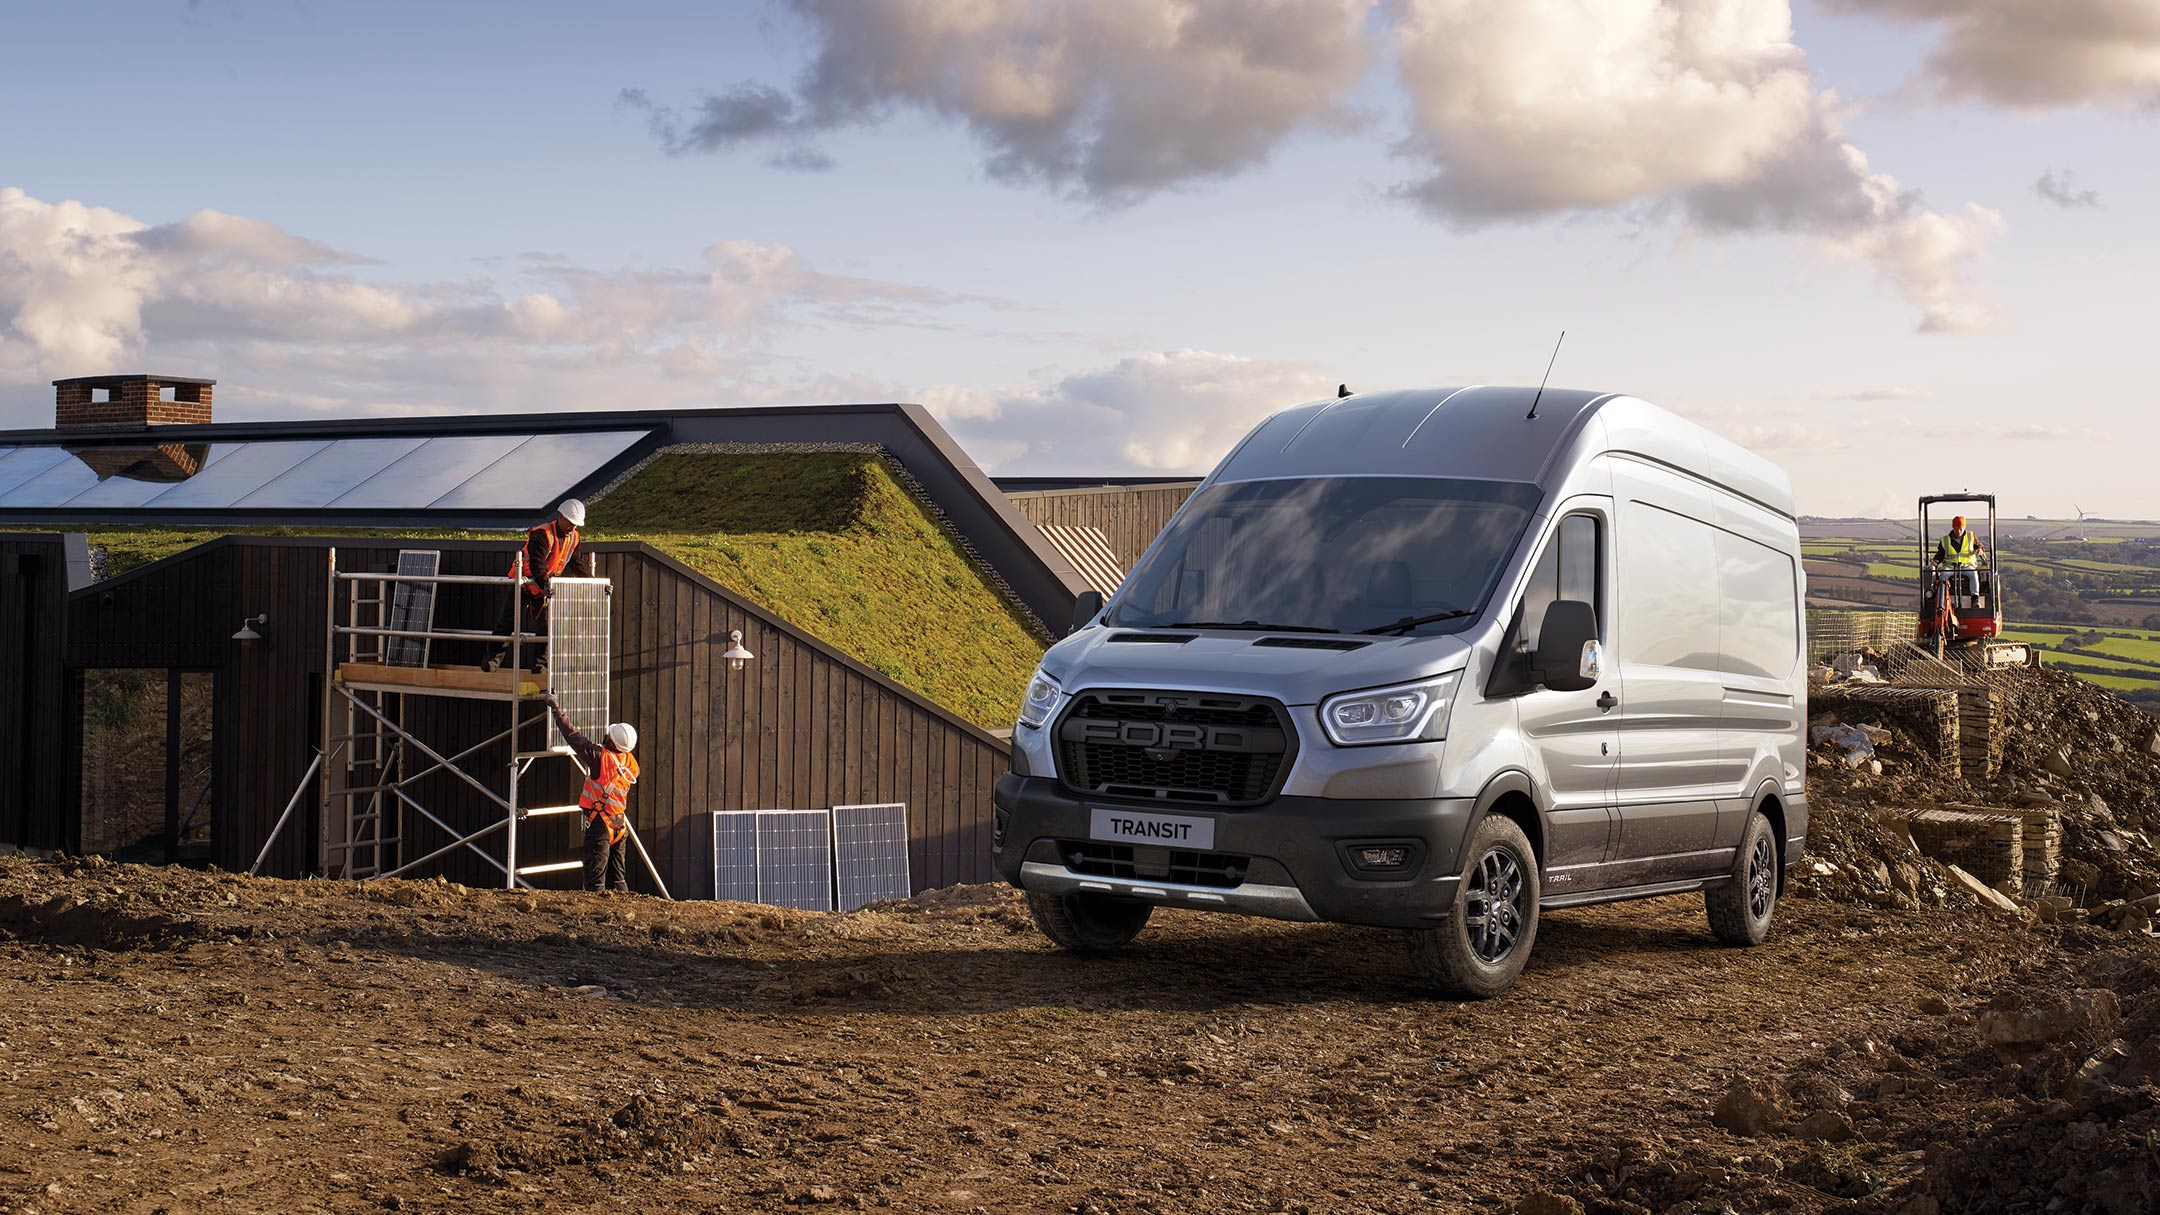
(1539, 106)
(1111, 99)
(1704, 107)
(285, 320)
(1176, 411)
(2038, 53)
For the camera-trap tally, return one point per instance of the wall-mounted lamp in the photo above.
(248, 626)
(737, 657)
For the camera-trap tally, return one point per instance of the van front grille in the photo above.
(1190, 747)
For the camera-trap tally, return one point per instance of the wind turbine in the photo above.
(2081, 519)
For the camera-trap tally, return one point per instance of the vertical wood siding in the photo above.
(1129, 518)
(803, 727)
(36, 780)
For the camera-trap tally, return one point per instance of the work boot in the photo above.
(491, 662)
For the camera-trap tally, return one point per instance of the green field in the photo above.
(2094, 611)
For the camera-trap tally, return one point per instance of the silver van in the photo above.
(1431, 660)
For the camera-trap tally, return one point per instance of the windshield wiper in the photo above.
(1410, 622)
(1253, 625)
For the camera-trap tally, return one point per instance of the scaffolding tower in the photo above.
(373, 755)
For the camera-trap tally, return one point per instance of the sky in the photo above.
(1898, 246)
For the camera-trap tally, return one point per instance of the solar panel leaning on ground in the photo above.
(782, 858)
(735, 856)
(412, 608)
(870, 854)
(577, 656)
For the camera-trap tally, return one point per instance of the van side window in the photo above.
(1568, 570)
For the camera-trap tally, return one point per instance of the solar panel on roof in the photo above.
(795, 859)
(577, 655)
(735, 855)
(322, 477)
(555, 460)
(870, 854)
(505, 472)
(224, 481)
(426, 473)
(22, 463)
(412, 608)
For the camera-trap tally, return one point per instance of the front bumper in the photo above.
(1294, 864)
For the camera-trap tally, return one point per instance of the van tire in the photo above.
(1088, 923)
(1458, 958)
(1741, 909)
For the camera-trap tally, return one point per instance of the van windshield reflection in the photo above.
(1381, 555)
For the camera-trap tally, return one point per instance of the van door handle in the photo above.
(1606, 701)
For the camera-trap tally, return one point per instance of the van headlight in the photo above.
(1041, 701)
(1410, 712)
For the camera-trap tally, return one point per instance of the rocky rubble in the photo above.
(2070, 747)
(2033, 1091)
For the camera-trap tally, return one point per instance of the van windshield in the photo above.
(1413, 555)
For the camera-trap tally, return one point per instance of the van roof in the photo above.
(1483, 432)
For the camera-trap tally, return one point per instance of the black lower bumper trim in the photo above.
(1293, 841)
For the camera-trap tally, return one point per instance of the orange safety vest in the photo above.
(607, 793)
(559, 552)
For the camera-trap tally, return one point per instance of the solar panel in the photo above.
(552, 460)
(735, 855)
(412, 608)
(870, 854)
(795, 858)
(495, 472)
(577, 655)
(329, 474)
(782, 858)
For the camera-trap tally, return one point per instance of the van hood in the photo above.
(1291, 667)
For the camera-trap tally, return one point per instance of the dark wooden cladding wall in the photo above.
(36, 782)
(802, 727)
(1129, 519)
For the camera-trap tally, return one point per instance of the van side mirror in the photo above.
(1085, 609)
(1569, 657)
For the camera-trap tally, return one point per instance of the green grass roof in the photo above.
(828, 542)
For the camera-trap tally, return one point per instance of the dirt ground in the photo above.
(181, 1042)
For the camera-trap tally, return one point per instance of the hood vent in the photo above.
(1150, 638)
(1311, 643)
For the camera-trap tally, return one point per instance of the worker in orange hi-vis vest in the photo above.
(610, 770)
(551, 551)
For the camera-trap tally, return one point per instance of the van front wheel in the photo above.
(1485, 940)
(1740, 909)
(1088, 923)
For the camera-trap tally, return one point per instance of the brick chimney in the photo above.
(122, 401)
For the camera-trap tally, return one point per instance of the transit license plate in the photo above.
(1159, 830)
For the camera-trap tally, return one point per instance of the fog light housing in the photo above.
(1399, 858)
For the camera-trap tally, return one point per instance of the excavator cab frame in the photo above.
(1951, 618)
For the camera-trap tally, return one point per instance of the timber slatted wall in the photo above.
(35, 780)
(802, 727)
(1130, 518)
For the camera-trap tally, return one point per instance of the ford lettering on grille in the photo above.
(1203, 748)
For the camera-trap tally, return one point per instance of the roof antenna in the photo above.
(1532, 415)
(1341, 391)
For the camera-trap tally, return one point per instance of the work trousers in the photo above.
(607, 866)
(533, 610)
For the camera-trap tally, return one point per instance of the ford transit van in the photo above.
(1435, 661)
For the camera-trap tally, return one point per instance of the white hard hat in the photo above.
(622, 736)
(573, 510)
